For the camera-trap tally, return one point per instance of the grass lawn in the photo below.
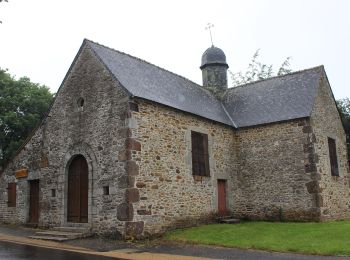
(330, 238)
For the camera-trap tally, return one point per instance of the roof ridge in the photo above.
(278, 76)
(147, 62)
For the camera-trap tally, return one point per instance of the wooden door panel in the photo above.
(78, 190)
(222, 210)
(73, 198)
(34, 201)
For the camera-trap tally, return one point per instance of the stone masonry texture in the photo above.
(142, 157)
(332, 192)
(272, 177)
(97, 131)
(169, 195)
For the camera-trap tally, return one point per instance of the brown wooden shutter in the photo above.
(11, 194)
(333, 157)
(200, 156)
(200, 151)
(195, 161)
(206, 155)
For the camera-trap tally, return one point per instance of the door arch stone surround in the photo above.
(85, 150)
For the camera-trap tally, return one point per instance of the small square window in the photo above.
(105, 190)
(53, 193)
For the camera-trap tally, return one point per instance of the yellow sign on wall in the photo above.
(22, 173)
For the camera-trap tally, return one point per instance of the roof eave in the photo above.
(272, 122)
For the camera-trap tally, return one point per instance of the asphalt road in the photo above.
(233, 253)
(11, 251)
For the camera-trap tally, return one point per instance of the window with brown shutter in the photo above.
(333, 157)
(200, 156)
(11, 194)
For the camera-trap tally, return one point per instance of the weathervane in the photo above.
(208, 27)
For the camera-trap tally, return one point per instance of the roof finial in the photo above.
(208, 27)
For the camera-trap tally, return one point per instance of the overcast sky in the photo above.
(39, 38)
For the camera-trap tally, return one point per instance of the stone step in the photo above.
(225, 217)
(63, 233)
(72, 229)
(230, 221)
(57, 239)
(69, 235)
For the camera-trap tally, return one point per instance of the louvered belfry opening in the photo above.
(333, 157)
(200, 156)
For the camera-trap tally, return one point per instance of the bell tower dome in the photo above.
(214, 68)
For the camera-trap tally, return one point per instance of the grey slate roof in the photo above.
(272, 100)
(150, 82)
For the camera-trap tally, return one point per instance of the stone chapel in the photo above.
(132, 149)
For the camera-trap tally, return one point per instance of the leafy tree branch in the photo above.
(344, 111)
(257, 70)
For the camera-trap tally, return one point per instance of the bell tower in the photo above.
(214, 69)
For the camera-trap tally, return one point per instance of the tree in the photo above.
(344, 110)
(258, 71)
(22, 105)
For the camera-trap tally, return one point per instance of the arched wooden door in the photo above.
(78, 190)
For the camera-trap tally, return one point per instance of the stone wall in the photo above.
(97, 130)
(168, 194)
(333, 192)
(274, 172)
